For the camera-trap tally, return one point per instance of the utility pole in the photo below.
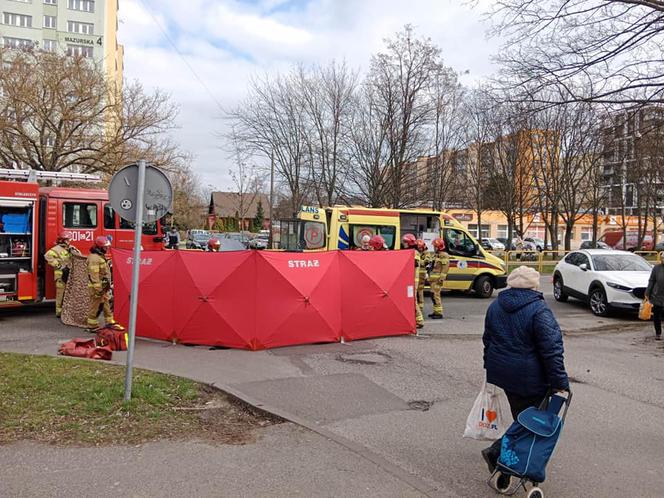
(271, 241)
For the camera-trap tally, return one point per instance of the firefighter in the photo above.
(424, 260)
(440, 265)
(377, 243)
(364, 243)
(59, 257)
(99, 285)
(410, 242)
(213, 245)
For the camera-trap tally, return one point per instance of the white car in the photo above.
(492, 244)
(605, 279)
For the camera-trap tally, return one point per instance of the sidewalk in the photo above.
(385, 414)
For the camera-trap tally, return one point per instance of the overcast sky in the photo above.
(203, 52)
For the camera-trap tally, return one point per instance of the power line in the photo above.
(186, 62)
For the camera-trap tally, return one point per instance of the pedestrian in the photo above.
(440, 265)
(173, 239)
(523, 349)
(364, 243)
(99, 285)
(424, 261)
(214, 245)
(408, 241)
(655, 294)
(59, 257)
(377, 243)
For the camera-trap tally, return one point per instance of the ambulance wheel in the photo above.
(535, 493)
(483, 287)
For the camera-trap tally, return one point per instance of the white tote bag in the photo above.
(490, 416)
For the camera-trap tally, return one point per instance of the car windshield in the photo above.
(620, 262)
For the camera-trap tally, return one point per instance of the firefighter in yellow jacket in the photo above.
(440, 265)
(59, 257)
(424, 259)
(99, 284)
(410, 242)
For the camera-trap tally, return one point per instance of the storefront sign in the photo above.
(463, 216)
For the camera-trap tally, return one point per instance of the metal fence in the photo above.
(545, 261)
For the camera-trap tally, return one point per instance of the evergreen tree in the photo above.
(258, 219)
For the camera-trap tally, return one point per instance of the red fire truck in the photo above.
(31, 218)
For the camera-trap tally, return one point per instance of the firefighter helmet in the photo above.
(409, 241)
(102, 242)
(214, 244)
(421, 245)
(438, 244)
(377, 243)
(62, 238)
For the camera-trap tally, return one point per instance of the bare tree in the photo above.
(446, 136)
(400, 79)
(606, 51)
(58, 112)
(272, 122)
(248, 181)
(369, 150)
(475, 161)
(327, 97)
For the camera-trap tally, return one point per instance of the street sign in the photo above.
(138, 192)
(158, 194)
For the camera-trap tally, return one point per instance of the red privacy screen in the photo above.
(260, 299)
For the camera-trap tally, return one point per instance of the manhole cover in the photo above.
(420, 404)
(365, 358)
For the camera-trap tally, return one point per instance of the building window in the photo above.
(17, 20)
(9, 42)
(49, 45)
(84, 5)
(586, 233)
(84, 28)
(79, 50)
(486, 230)
(501, 232)
(79, 215)
(51, 2)
(50, 22)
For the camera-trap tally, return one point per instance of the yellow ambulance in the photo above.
(342, 228)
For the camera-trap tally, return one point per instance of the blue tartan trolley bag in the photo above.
(528, 445)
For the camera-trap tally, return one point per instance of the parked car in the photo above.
(503, 241)
(588, 244)
(197, 239)
(614, 239)
(260, 241)
(492, 244)
(538, 243)
(606, 279)
(238, 236)
(659, 247)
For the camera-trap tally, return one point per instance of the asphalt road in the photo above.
(402, 402)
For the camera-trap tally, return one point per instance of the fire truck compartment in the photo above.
(16, 245)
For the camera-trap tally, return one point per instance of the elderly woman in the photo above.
(523, 348)
(655, 294)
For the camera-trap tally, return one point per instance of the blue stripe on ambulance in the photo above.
(344, 241)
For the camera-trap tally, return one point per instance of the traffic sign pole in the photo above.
(133, 307)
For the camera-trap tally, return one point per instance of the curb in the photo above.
(403, 475)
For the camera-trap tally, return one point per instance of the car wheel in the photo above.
(558, 289)
(598, 304)
(483, 287)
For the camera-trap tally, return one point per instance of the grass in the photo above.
(67, 401)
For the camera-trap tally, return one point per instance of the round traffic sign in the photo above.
(158, 193)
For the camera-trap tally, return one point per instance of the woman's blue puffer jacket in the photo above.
(523, 345)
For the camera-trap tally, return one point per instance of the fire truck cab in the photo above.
(31, 217)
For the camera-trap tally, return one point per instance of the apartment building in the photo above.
(76, 27)
(633, 153)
